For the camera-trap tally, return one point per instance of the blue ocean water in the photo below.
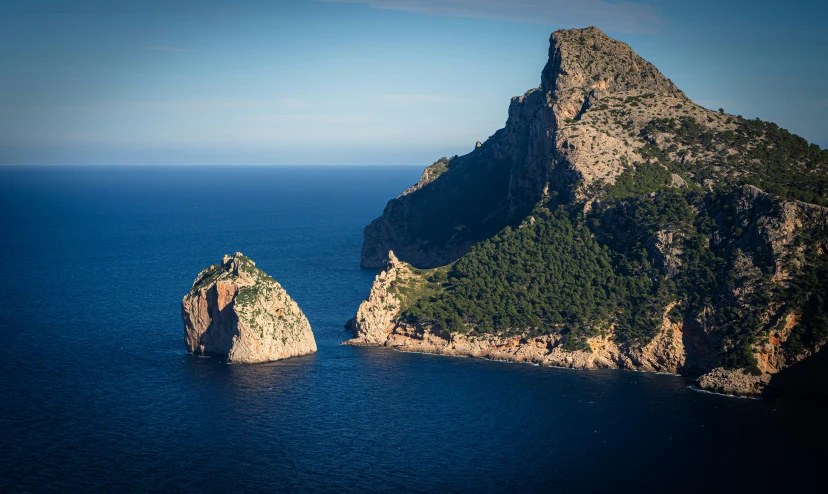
(97, 392)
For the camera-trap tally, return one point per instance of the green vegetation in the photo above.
(424, 284)
(741, 357)
(548, 277)
(634, 100)
(811, 293)
(248, 294)
(264, 285)
(439, 167)
(786, 165)
(708, 273)
(206, 277)
(756, 153)
(640, 179)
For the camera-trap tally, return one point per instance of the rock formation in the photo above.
(378, 312)
(540, 151)
(725, 214)
(235, 310)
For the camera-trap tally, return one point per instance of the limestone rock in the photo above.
(235, 310)
(375, 316)
(733, 382)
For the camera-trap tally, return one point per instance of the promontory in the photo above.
(613, 222)
(235, 310)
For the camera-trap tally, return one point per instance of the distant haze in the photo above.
(396, 82)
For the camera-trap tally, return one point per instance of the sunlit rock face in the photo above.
(235, 310)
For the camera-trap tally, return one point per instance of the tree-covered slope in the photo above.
(549, 274)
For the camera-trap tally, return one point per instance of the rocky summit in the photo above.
(612, 223)
(235, 310)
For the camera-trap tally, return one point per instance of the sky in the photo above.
(340, 82)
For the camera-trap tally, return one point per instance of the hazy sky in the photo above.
(360, 81)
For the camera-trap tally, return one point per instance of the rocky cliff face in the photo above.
(378, 312)
(724, 215)
(237, 311)
(537, 153)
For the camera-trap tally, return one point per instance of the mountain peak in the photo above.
(588, 63)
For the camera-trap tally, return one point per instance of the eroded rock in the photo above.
(235, 310)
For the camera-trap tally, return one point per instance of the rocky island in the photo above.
(613, 223)
(235, 310)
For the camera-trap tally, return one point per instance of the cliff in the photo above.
(611, 223)
(536, 154)
(235, 310)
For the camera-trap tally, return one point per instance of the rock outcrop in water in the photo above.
(714, 229)
(237, 311)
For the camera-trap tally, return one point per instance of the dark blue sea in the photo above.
(97, 392)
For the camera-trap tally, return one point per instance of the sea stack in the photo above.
(235, 310)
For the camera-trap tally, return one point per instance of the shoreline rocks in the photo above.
(733, 382)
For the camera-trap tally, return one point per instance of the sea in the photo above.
(98, 393)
